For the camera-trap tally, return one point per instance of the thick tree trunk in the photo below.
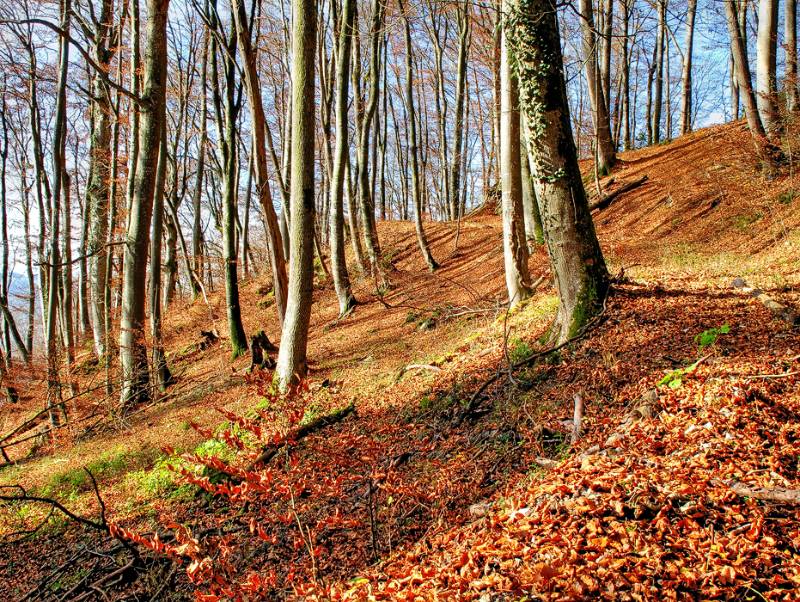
(766, 60)
(133, 352)
(416, 193)
(686, 106)
(515, 248)
(606, 154)
(291, 362)
(578, 265)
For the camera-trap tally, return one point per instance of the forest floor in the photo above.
(691, 393)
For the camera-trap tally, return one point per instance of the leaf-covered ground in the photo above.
(689, 385)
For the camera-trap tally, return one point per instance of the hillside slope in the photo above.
(461, 508)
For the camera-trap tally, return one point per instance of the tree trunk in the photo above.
(790, 41)
(162, 376)
(458, 126)
(133, 352)
(341, 278)
(364, 116)
(274, 242)
(738, 48)
(530, 206)
(416, 193)
(686, 107)
(197, 224)
(515, 248)
(606, 154)
(626, 76)
(55, 404)
(766, 58)
(291, 364)
(658, 94)
(578, 265)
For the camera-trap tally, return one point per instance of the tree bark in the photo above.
(458, 126)
(686, 106)
(422, 240)
(292, 364)
(790, 41)
(575, 255)
(341, 278)
(274, 242)
(133, 352)
(515, 248)
(606, 154)
(766, 60)
(743, 78)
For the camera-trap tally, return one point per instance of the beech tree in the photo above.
(577, 261)
(294, 336)
(132, 346)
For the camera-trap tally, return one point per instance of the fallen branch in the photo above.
(777, 495)
(470, 407)
(779, 310)
(610, 198)
(270, 451)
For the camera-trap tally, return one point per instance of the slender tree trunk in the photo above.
(162, 377)
(197, 193)
(766, 60)
(133, 351)
(341, 278)
(626, 75)
(366, 204)
(606, 154)
(575, 255)
(57, 412)
(99, 183)
(686, 79)
(274, 242)
(422, 240)
(292, 364)
(766, 151)
(458, 126)
(530, 206)
(658, 94)
(790, 41)
(515, 248)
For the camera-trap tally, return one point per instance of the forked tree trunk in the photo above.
(294, 337)
(578, 265)
(133, 351)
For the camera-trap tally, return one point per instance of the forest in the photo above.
(399, 300)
